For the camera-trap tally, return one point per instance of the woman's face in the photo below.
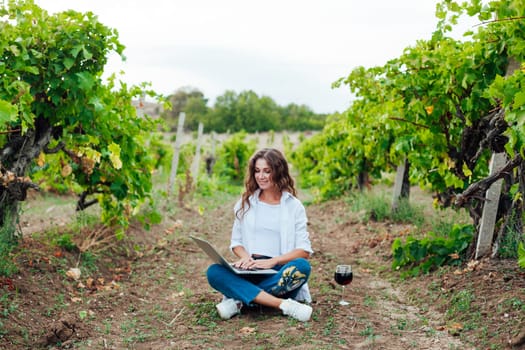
(263, 174)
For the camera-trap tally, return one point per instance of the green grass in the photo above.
(378, 207)
(369, 301)
(460, 304)
(508, 247)
(7, 244)
(204, 314)
(52, 202)
(515, 304)
(368, 332)
(329, 326)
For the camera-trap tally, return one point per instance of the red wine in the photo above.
(343, 278)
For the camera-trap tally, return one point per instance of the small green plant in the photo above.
(8, 242)
(402, 324)
(3, 331)
(460, 303)
(521, 255)
(88, 261)
(509, 244)
(139, 337)
(7, 266)
(515, 304)
(287, 339)
(205, 314)
(128, 325)
(369, 301)
(8, 306)
(329, 326)
(65, 241)
(368, 332)
(60, 300)
(405, 212)
(421, 255)
(373, 207)
(443, 226)
(107, 326)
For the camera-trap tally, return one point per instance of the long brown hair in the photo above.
(280, 176)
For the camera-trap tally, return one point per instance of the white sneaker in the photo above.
(295, 309)
(228, 308)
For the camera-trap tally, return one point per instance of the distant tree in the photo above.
(189, 100)
(244, 111)
(255, 113)
(301, 118)
(224, 116)
(270, 115)
(196, 112)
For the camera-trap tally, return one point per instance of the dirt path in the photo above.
(156, 296)
(379, 317)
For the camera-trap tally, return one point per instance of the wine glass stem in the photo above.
(343, 294)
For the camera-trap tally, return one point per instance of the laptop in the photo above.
(219, 259)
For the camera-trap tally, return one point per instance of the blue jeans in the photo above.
(284, 284)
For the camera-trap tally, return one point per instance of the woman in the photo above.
(269, 231)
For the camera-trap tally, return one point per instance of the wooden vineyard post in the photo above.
(175, 159)
(401, 186)
(213, 142)
(490, 207)
(197, 158)
(210, 158)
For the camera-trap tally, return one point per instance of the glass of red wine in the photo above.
(343, 275)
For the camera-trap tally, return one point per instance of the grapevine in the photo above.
(60, 123)
(446, 105)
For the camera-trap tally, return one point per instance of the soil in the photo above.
(149, 291)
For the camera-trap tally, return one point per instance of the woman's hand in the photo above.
(244, 263)
(253, 264)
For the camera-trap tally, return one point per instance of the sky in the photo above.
(289, 50)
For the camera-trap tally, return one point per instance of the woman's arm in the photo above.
(278, 260)
(294, 254)
(236, 235)
(302, 237)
